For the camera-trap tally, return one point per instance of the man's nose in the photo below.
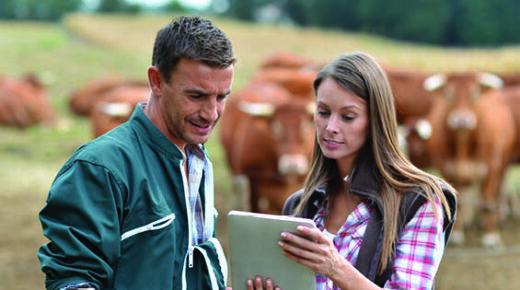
(210, 111)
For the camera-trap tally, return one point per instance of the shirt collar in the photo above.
(197, 150)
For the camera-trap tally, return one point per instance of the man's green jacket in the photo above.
(117, 217)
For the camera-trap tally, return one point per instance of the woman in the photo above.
(381, 222)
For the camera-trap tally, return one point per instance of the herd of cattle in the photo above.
(466, 125)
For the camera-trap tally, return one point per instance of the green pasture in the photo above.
(85, 47)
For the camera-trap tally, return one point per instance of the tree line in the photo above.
(441, 22)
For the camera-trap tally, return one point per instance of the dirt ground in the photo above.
(474, 267)
(468, 267)
(463, 267)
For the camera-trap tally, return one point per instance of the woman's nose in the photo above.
(332, 125)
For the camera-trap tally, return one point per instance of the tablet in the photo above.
(253, 246)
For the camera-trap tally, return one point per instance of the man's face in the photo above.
(193, 100)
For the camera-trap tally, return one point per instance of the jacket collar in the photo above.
(364, 179)
(150, 134)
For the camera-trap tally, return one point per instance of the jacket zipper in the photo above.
(188, 211)
(190, 256)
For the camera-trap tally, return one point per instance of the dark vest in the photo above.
(363, 183)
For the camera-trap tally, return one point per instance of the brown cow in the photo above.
(511, 96)
(414, 133)
(116, 107)
(283, 59)
(82, 100)
(298, 82)
(472, 140)
(24, 102)
(267, 135)
(412, 104)
(510, 79)
(411, 99)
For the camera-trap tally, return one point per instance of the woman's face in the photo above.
(341, 120)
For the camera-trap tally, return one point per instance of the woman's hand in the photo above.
(319, 253)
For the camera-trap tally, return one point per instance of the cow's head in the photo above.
(461, 91)
(292, 130)
(455, 116)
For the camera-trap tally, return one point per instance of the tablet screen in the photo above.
(253, 245)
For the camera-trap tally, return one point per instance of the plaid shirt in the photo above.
(418, 253)
(196, 160)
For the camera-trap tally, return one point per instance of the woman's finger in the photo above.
(319, 240)
(313, 233)
(306, 251)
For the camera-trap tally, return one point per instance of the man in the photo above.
(133, 209)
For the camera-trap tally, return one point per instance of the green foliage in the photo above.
(445, 22)
(490, 22)
(422, 20)
(37, 9)
(242, 9)
(174, 6)
(119, 6)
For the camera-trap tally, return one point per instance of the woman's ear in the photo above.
(155, 80)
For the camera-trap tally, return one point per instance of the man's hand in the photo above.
(258, 284)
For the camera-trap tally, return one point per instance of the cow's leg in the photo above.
(465, 212)
(457, 236)
(241, 192)
(491, 187)
(254, 195)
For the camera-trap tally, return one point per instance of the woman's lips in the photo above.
(331, 143)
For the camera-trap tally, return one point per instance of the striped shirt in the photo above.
(419, 249)
(196, 162)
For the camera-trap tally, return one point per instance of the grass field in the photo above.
(85, 47)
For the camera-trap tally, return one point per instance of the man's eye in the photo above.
(221, 97)
(197, 96)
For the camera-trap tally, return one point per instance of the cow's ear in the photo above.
(491, 81)
(155, 80)
(434, 82)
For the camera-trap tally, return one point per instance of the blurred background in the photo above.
(51, 51)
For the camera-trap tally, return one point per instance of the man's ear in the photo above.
(155, 80)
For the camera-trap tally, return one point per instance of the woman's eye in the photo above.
(322, 112)
(349, 117)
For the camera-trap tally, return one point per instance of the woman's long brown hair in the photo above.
(362, 75)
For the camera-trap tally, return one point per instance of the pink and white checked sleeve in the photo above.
(419, 250)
